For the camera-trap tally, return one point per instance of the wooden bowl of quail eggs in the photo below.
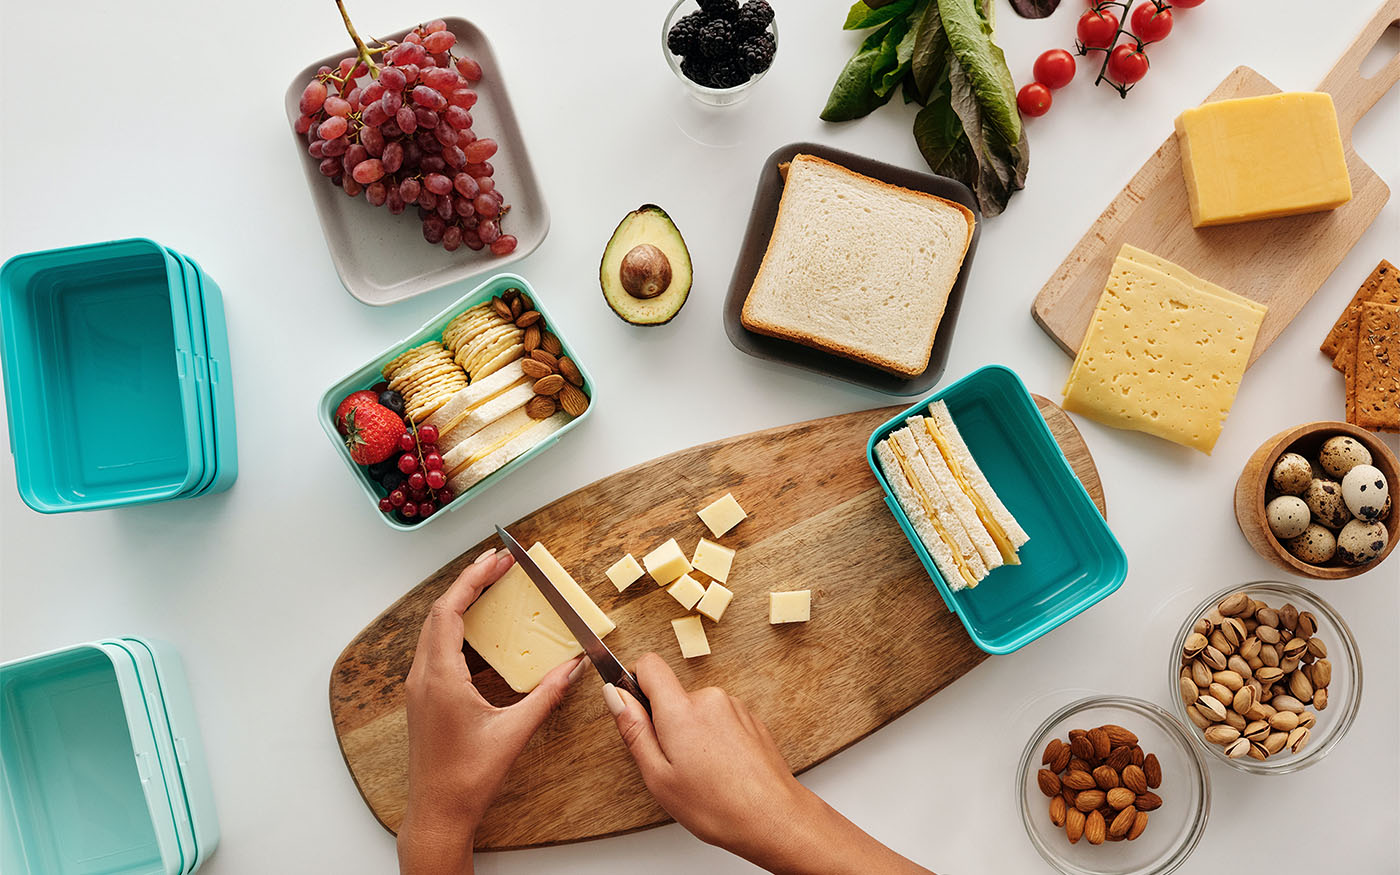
(1316, 500)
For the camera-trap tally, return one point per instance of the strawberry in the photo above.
(372, 433)
(353, 400)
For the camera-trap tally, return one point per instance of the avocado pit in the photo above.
(645, 271)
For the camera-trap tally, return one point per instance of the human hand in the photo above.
(716, 769)
(460, 747)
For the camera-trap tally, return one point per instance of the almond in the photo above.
(1074, 825)
(1078, 765)
(1119, 758)
(1134, 779)
(535, 369)
(1118, 735)
(1120, 797)
(1148, 801)
(1095, 830)
(1098, 737)
(1051, 750)
(525, 300)
(531, 338)
(1077, 780)
(574, 375)
(1152, 770)
(1139, 824)
(574, 402)
(1123, 822)
(1137, 755)
(1081, 747)
(1106, 777)
(540, 407)
(1061, 760)
(551, 344)
(516, 308)
(502, 309)
(549, 385)
(1049, 783)
(1058, 810)
(525, 320)
(544, 355)
(1090, 799)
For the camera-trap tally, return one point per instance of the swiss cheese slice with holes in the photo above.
(1162, 357)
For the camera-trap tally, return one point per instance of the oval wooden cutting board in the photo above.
(880, 641)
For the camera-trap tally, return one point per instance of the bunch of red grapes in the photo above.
(403, 137)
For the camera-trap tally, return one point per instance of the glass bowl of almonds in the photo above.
(1267, 675)
(1111, 785)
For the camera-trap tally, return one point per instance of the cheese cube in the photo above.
(1262, 157)
(666, 563)
(714, 601)
(624, 572)
(723, 515)
(713, 559)
(790, 607)
(691, 635)
(515, 630)
(686, 590)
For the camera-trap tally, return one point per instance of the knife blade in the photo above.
(609, 667)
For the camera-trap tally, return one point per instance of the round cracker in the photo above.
(412, 373)
(470, 334)
(501, 360)
(426, 404)
(489, 339)
(411, 356)
(457, 334)
(431, 377)
(490, 351)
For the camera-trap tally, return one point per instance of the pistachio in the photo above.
(1268, 634)
(1317, 648)
(1201, 673)
(1267, 616)
(1288, 616)
(1309, 719)
(1275, 742)
(1189, 690)
(1284, 721)
(1195, 716)
(1211, 708)
(1214, 658)
(1269, 675)
(1236, 720)
(1298, 737)
(1234, 604)
(1250, 649)
(1268, 654)
(1221, 734)
(1287, 703)
(1295, 649)
(1220, 643)
(1257, 731)
(1222, 693)
(1239, 666)
(1320, 700)
(1231, 680)
(1300, 686)
(1195, 643)
(1243, 702)
(1307, 624)
(1234, 631)
(1289, 664)
(1203, 627)
(1257, 751)
(1237, 748)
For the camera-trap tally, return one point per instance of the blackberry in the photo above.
(754, 17)
(698, 70)
(715, 38)
(756, 52)
(728, 72)
(726, 10)
(682, 38)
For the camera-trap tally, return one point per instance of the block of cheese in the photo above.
(790, 607)
(713, 559)
(515, 630)
(691, 635)
(1162, 357)
(624, 572)
(722, 515)
(686, 590)
(714, 601)
(1262, 157)
(666, 563)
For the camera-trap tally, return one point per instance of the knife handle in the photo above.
(629, 683)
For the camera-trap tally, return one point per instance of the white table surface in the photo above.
(262, 586)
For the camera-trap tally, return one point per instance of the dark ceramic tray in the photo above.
(755, 244)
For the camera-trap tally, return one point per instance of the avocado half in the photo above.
(646, 271)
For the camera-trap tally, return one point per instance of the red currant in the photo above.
(386, 505)
(428, 434)
(429, 449)
(397, 498)
(426, 509)
(408, 463)
(445, 496)
(433, 462)
(416, 481)
(436, 479)
(409, 511)
(406, 442)
(379, 387)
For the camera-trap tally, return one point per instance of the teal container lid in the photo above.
(1072, 560)
(220, 373)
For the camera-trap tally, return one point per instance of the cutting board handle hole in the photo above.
(1385, 49)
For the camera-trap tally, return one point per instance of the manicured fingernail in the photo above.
(484, 556)
(578, 670)
(613, 700)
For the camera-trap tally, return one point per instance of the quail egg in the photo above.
(1361, 542)
(1365, 491)
(1324, 499)
(1292, 473)
(1315, 546)
(1341, 453)
(1288, 516)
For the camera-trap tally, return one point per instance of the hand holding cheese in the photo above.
(716, 769)
(460, 747)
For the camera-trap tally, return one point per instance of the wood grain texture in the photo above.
(880, 640)
(1278, 262)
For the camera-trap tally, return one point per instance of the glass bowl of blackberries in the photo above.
(719, 48)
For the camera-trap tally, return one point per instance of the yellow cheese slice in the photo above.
(515, 630)
(1156, 262)
(931, 510)
(984, 513)
(1161, 357)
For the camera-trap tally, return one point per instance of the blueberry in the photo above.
(379, 469)
(392, 400)
(392, 480)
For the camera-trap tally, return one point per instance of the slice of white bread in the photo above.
(447, 417)
(936, 489)
(965, 466)
(858, 267)
(908, 499)
(483, 415)
(486, 439)
(958, 499)
(500, 454)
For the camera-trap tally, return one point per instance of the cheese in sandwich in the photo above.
(997, 521)
(485, 415)
(923, 502)
(465, 401)
(486, 455)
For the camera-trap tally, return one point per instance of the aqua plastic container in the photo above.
(1072, 560)
(99, 376)
(219, 374)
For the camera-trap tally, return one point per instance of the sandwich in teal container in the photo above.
(987, 485)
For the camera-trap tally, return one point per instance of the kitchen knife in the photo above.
(609, 666)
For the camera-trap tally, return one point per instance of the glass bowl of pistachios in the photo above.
(1268, 676)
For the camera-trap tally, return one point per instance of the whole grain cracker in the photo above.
(1382, 285)
(1376, 369)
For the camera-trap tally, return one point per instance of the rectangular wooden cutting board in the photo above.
(1278, 262)
(880, 640)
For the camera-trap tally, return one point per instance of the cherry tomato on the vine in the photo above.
(1151, 24)
(1033, 100)
(1097, 28)
(1054, 68)
(1127, 64)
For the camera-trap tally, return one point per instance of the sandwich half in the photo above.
(923, 501)
(509, 438)
(1001, 527)
(858, 267)
(483, 415)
